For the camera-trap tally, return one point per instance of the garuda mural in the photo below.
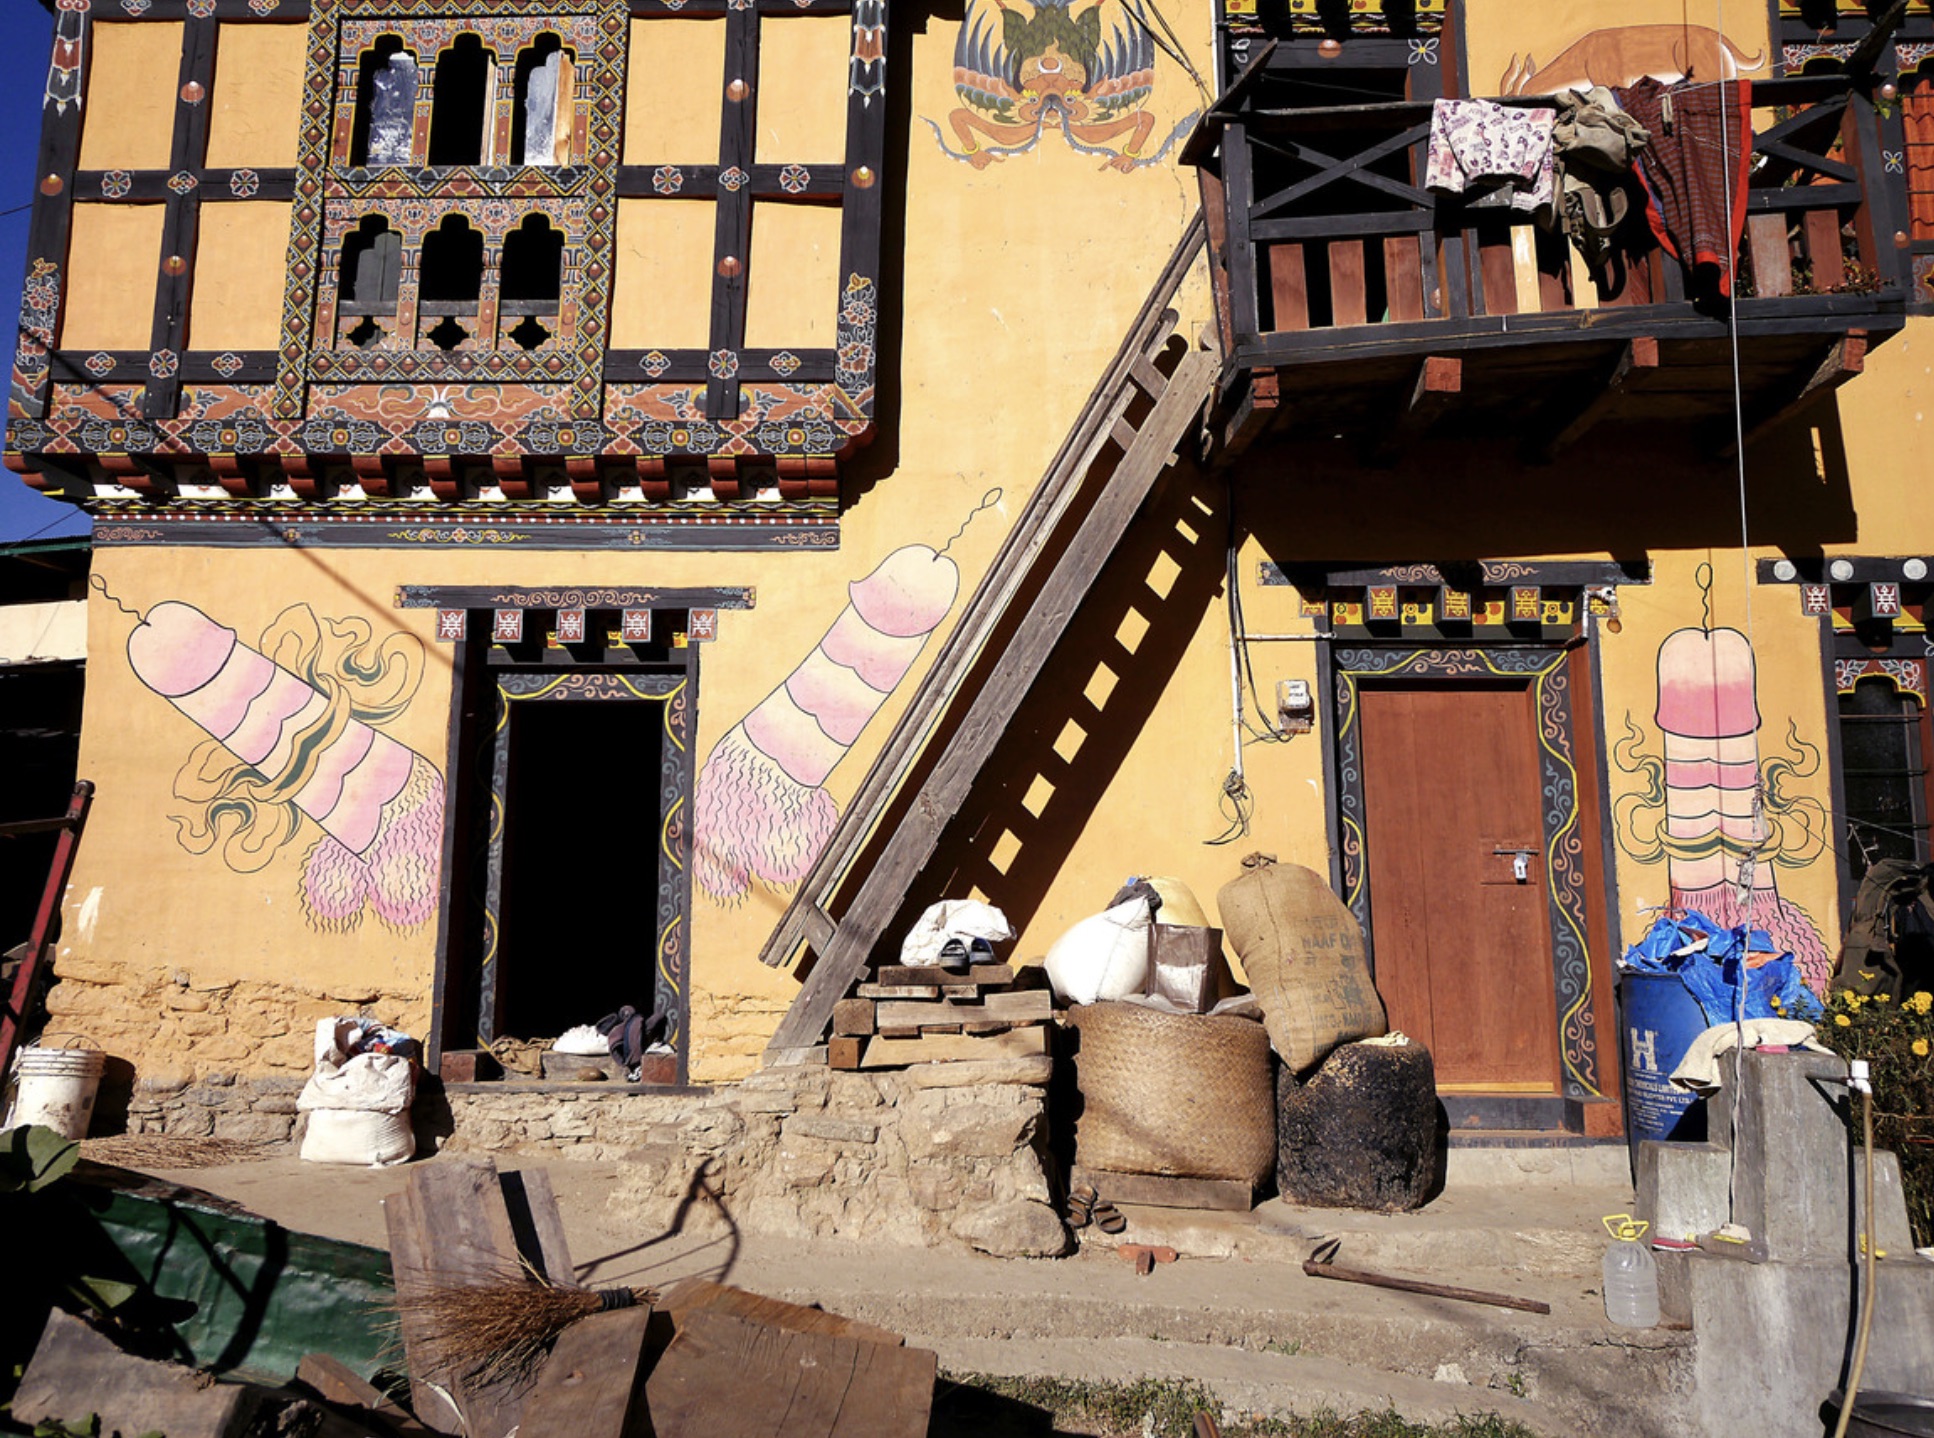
(295, 741)
(1030, 70)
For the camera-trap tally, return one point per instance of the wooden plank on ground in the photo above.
(537, 1224)
(693, 1295)
(450, 1227)
(882, 1053)
(843, 1051)
(1020, 1006)
(589, 1387)
(988, 974)
(335, 1382)
(76, 1372)
(727, 1377)
(1232, 1195)
(898, 991)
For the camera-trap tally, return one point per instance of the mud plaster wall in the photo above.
(1018, 283)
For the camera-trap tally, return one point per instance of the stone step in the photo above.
(1252, 1385)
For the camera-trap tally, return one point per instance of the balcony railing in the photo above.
(1327, 246)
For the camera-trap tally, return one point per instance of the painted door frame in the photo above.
(1546, 667)
(672, 687)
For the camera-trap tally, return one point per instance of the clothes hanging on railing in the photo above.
(1494, 155)
(1597, 145)
(1695, 169)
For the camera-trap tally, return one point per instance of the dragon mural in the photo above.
(1031, 70)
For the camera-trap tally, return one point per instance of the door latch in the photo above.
(1520, 863)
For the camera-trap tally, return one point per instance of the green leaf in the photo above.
(35, 1157)
(101, 1294)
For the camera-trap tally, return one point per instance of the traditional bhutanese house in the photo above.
(591, 494)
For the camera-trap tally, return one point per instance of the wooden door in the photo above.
(1462, 946)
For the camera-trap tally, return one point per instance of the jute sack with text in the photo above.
(1303, 953)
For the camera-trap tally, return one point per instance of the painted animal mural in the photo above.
(1627, 54)
(761, 809)
(1046, 67)
(1722, 819)
(294, 740)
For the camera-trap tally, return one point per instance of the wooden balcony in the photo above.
(1354, 303)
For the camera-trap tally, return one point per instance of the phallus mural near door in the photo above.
(1722, 817)
(295, 747)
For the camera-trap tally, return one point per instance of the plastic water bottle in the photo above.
(1631, 1277)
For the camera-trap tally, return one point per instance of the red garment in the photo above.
(1695, 170)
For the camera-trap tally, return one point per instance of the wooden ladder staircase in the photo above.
(845, 944)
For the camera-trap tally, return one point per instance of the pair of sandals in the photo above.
(1085, 1206)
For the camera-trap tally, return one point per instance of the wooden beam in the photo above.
(1435, 390)
(1254, 412)
(1639, 358)
(1845, 358)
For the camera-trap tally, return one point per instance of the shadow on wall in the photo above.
(1066, 745)
(1625, 490)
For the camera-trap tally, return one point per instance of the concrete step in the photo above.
(1549, 1232)
(1248, 1384)
(1055, 1318)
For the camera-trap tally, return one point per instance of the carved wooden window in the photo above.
(372, 263)
(541, 103)
(530, 281)
(451, 283)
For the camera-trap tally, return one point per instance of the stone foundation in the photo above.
(218, 1105)
(941, 1154)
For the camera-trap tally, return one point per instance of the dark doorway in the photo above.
(579, 897)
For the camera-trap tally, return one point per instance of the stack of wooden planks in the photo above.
(702, 1358)
(926, 1015)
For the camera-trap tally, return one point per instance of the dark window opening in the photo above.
(1884, 751)
(461, 112)
(372, 265)
(446, 333)
(533, 268)
(609, 930)
(542, 93)
(529, 334)
(452, 268)
(385, 104)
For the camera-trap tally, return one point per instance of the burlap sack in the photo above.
(1303, 954)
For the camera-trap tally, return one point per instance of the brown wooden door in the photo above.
(1462, 948)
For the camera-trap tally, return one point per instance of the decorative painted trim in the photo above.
(1554, 574)
(252, 528)
(1909, 676)
(514, 597)
(673, 689)
(1564, 849)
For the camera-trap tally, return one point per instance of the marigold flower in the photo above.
(1843, 1021)
(1920, 1048)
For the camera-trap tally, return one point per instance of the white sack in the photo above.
(584, 1039)
(368, 1083)
(962, 919)
(358, 1137)
(1102, 957)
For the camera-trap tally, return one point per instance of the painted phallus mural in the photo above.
(1720, 817)
(1034, 68)
(295, 740)
(761, 810)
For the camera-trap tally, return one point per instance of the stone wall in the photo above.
(218, 1105)
(187, 1027)
(938, 1154)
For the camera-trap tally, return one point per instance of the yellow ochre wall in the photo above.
(1018, 283)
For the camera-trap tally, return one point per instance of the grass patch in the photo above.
(989, 1407)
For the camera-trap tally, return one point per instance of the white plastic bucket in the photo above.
(55, 1088)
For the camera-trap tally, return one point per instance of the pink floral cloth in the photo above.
(1493, 154)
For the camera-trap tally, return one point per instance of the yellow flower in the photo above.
(1921, 1002)
(1843, 1021)
(1920, 1048)
(1883, 998)
(1846, 996)
(1854, 1002)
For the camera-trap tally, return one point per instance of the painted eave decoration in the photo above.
(397, 410)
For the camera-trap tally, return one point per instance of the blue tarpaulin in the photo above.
(1711, 962)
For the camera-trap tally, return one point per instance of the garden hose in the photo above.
(1857, 1080)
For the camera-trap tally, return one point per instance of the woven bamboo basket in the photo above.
(1181, 1095)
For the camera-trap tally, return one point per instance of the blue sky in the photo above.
(25, 38)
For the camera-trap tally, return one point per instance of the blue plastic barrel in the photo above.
(1661, 1019)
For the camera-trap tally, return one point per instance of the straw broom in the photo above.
(494, 1332)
